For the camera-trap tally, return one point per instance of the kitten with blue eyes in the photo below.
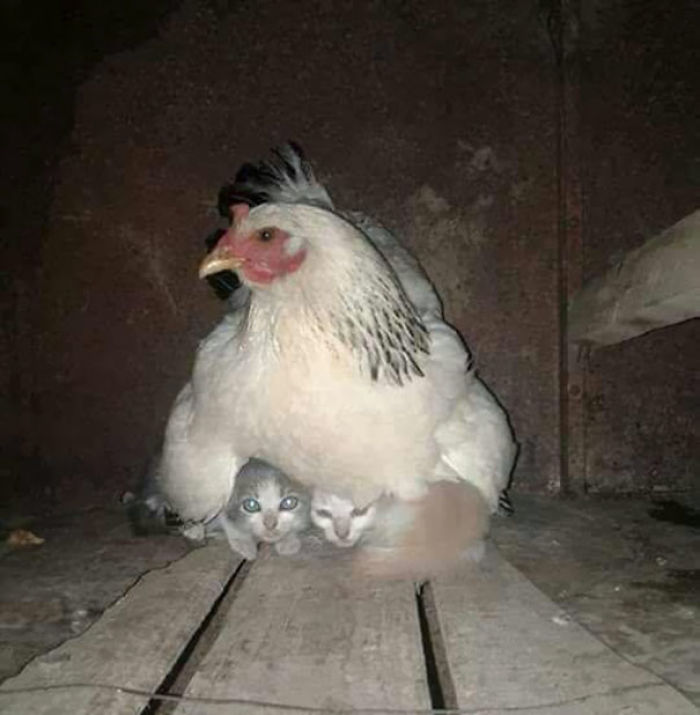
(266, 506)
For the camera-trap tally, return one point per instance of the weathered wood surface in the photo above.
(509, 647)
(305, 632)
(135, 643)
(655, 285)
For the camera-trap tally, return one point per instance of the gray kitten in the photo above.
(266, 506)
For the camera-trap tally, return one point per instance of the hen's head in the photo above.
(268, 242)
(308, 256)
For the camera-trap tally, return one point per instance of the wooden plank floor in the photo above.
(305, 634)
(509, 648)
(134, 644)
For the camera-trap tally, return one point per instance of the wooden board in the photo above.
(653, 286)
(134, 644)
(305, 632)
(509, 647)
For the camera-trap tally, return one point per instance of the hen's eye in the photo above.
(267, 234)
(251, 505)
(324, 513)
(289, 503)
(359, 512)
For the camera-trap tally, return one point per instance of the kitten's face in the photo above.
(271, 509)
(342, 523)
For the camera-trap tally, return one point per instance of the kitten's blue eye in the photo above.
(251, 505)
(289, 503)
(359, 512)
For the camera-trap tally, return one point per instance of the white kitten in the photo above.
(443, 530)
(341, 522)
(417, 538)
(266, 506)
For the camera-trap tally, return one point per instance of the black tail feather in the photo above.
(148, 518)
(286, 176)
(505, 506)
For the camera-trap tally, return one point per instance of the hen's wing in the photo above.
(199, 463)
(476, 441)
(476, 444)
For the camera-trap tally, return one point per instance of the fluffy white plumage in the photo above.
(343, 374)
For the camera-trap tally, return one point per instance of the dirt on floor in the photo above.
(53, 591)
(628, 570)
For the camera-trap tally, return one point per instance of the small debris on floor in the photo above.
(24, 537)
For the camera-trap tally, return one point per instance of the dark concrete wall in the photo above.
(48, 48)
(640, 108)
(435, 117)
(438, 118)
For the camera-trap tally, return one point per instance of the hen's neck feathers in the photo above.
(345, 297)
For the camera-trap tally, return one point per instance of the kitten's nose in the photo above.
(341, 528)
(270, 520)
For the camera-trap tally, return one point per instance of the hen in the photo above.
(336, 364)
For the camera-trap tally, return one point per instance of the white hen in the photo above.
(339, 370)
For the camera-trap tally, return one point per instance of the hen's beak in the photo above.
(220, 259)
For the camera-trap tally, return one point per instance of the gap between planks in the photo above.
(171, 675)
(176, 681)
(130, 649)
(308, 633)
(304, 633)
(437, 669)
(437, 673)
